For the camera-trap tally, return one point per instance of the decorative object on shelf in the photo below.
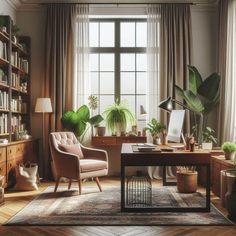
(77, 121)
(100, 130)
(230, 196)
(118, 117)
(139, 191)
(229, 149)
(155, 128)
(201, 97)
(208, 138)
(15, 29)
(192, 144)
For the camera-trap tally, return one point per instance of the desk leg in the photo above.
(122, 173)
(208, 188)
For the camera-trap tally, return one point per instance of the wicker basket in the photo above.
(187, 181)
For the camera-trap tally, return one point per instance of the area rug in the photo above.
(95, 208)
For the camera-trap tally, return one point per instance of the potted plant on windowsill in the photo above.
(229, 149)
(208, 138)
(155, 128)
(118, 117)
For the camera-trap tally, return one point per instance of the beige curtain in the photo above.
(60, 25)
(175, 51)
(175, 54)
(227, 61)
(223, 17)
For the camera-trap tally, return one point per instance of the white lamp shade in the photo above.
(43, 105)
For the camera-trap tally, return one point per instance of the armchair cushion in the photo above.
(72, 148)
(87, 165)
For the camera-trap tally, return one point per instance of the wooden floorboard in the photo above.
(15, 201)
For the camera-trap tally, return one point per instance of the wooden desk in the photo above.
(180, 158)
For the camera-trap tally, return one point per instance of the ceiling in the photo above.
(27, 3)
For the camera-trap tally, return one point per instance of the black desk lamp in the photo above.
(167, 105)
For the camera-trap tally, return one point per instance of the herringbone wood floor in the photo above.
(14, 202)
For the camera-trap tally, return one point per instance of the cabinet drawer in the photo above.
(2, 154)
(14, 151)
(103, 141)
(3, 172)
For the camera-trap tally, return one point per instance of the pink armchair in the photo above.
(74, 161)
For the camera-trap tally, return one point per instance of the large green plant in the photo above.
(202, 96)
(118, 116)
(78, 121)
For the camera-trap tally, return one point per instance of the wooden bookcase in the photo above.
(14, 102)
(14, 83)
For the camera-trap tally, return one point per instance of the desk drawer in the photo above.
(2, 154)
(103, 141)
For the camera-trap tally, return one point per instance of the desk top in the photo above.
(201, 157)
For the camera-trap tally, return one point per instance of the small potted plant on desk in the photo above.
(155, 128)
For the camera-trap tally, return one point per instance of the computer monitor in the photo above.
(175, 125)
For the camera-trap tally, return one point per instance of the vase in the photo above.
(100, 130)
(230, 196)
(187, 181)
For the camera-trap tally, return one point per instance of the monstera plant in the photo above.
(202, 95)
(79, 121)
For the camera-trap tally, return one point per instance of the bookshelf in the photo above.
(14, 82)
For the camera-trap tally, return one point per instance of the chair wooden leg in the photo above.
(98, 183)
(57, 183)
(69, 185)
(79, 183)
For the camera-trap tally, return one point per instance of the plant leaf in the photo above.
(80, 128)
(69, 120)
(95, 120)
(193, 101)
(211, 105)
(195, 79)
(210, 86)
(179, 91)
(83, 113)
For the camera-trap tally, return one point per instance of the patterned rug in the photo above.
(95, 208)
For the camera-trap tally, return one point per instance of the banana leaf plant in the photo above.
(80, 121)
(202, 96)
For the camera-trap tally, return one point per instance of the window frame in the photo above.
(118, 50)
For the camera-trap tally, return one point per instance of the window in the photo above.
(118, 66)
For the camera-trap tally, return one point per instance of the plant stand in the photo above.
(187, 181)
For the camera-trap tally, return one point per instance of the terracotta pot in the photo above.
(101, 130)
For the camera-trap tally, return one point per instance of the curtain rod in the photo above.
(125, 3)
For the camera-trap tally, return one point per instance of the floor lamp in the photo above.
(43, 105)
(168, 106)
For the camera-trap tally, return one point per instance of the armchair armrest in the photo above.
(67, 164)
(95, 153)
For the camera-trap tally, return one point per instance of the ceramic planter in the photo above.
(207, 146)
(100, 130)
(229, 155)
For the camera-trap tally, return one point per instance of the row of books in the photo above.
(3, 50)
(4, 100)
(3, 123)
(19, 62)
(17, 124)
(18, 105)
(16, 83)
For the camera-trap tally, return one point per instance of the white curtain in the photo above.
(81, 89)
(153, 65)
(229, 132)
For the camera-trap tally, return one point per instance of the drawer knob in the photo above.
(10, 165)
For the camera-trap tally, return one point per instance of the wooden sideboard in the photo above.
(219, 163)
(112, 144)
(13, 154)
(117, 140)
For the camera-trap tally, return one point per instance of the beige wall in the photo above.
(7, 9)
(32, 23)
(205, 39)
